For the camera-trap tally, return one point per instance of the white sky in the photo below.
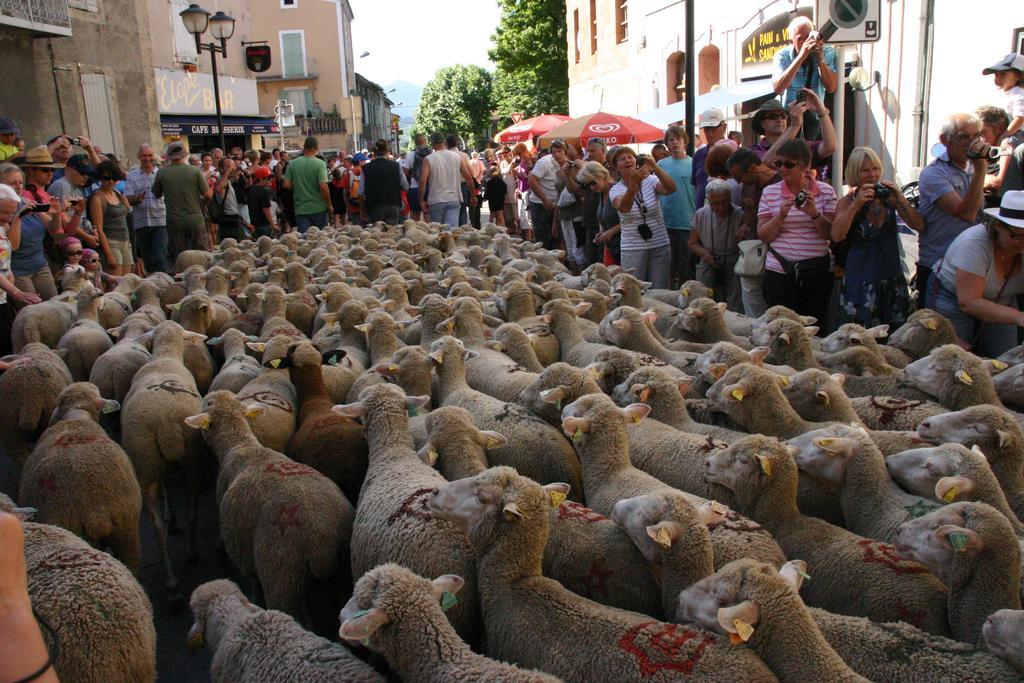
(411, 39)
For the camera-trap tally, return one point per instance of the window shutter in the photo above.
(184, 42)
(292, 63)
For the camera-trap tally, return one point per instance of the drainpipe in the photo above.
(924, 82)
(56, 86)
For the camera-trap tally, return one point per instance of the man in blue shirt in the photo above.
(678, 208)
(712, 124)
(951, 191)
(805, 63)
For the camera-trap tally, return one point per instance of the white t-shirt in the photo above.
(1011, 100)
(646, 209)
(545, 170)
(445, 182)
(408, 163)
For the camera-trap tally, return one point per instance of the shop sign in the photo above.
(178, 92)
(187, 128)
(759, 48)
(257, 57)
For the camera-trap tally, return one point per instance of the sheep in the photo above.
(81, 480)
(101, 613)
(536, 448)
(950, 473)
(972, 548)
(761, 607)
(704, 321)
(713, 363)
(114, 370)
(956, 378)
(581, 540)
(402, 616)
(515, 342)
(410, 368)
(432, 309)
(1002, 633)
(626, 328)
(195, 314)
(613, 365)
(856, 361)
(999, 436)
(599, 432)
(847, 461)
(924, 331)
(665, 395)
(563, 319)
(850, 335)
(516, 301)
(43, 323)
(894, 651)
(332, 297)
(282, 522)
(274, 308)
(776, 312)
(852, 575)
(506, 518)
(381, 332)
(329, 443)
(629, 291)
(31, 386)
(239, 368)
(392, 522)
(86, 340)
(559, 384)
(154, 435)
(1009, 385)
(789, 343)
(274, 425)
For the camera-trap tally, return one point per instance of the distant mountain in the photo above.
(409, 95)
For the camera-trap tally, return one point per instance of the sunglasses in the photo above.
(74, 253)
(107, 177)
(1015, 235)
(778, 116)
(93, 260)
(786, 164)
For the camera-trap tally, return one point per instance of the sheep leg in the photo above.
(152, 503)
(257, 592)
(126, 546)
(168, 510)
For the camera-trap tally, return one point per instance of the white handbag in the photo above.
(751, 260)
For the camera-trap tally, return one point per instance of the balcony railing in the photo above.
(49, 17)
(323, 124)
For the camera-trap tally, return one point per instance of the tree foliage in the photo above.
(531, 55)
(458, 99)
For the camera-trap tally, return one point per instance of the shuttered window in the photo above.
(293, 54)
(184, 42)
(99, 111)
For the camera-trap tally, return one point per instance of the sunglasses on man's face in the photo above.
(786, 164)
(776, 117)
(107, 177)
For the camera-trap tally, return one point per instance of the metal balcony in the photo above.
(46, 17)
(324, 124)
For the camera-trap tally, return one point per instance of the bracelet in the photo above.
(50, 656)
(814, 218)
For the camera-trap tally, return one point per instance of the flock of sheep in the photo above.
(441, 456)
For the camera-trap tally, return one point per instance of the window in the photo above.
(293, 54)
(621, 21)
(593, 26)
(301, 99)
(675, 73)
(576, 33)
(184, 42)
(289, 4)
(99, 111)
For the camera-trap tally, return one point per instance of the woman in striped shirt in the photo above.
(795, 220)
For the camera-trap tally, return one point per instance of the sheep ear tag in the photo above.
(411, 410)
(743, 632)
(448, 600)
(111, 406)
(964, 377)
(577, 436)
(958, 540)
(766, 464)
(332, 357)
(950, 497)
(556, 498)
(738, 393)
(196, 642)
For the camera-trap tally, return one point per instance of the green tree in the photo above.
(531, 55)
(457, 99)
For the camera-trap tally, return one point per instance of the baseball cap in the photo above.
(1012, 61)
(712, 118)
(359, 158)
(8, 126)
(261, 172)
(80, 163)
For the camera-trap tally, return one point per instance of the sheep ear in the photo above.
(470, 354)
(427, 454)
(977, 449)
(200, 421)
(418, 401)
(685, 383)
(952, 489)
(782, 381)
(582, 308)
(878, 331)
(823, 397)
(664, 533)
(24, 514)
(651, 316)
(386, 369)
(794, 572)
(554, 396)
(640, 392)
(557, 493)
(765, 462)
(621, 324)
(834, 445)
(839, 378)
(110, 406)
(364, 625)
(175, 307)
(758, 354)
(712, 512)
(114, 332)
(445, 587)
(413, 310)
(437, 356)
(511, 512)
(964, 377)
(254, 410)
(214, 341)
(739, 620)
(349, 410)
(494, 345)
(694, 312)
(961, 540)
(363, 327)
(929, 323)
(258, 347)
(1003, 437)
(996, 366)
(636, 411)
(737, 392)
(489, 439)
(784, 336)
(717, 370)
(807, 319)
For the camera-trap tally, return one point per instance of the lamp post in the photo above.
(222, 27)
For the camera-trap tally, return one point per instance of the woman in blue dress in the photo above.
(874, 290)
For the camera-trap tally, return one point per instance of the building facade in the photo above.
(376, 113)
(312, 68)
(628, 57)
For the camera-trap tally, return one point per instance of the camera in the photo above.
(882, 192)
(75, 141)
(986, 152)
(645, 231)
(801, 197)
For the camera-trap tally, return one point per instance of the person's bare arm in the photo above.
(205, 191)
(535, 187)
(768, 227)
(467, 175)
(96, 214)
(666, 184)
(796, 116)
(970, 294)
(90, 149)
(828, 131)
(825, 73)
(424, 177)
(966, 208)
(846, 210)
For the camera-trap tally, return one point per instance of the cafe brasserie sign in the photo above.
(760, 47)
(181, 92)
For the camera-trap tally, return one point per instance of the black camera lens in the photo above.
(882, 192)
(801, 197)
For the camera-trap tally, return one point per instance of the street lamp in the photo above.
(197, 20)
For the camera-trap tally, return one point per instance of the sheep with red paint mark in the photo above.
(36, 376)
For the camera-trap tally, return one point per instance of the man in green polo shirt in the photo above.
(306, 177)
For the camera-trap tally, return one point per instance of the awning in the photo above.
(720, 99)
(207, 125)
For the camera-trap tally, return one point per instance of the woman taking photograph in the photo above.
(596, 178)
(980, 277)
(713, 240)
(874, 290)
(108, 211)
(795, 220)
(10, 229)
(41, 215)
(645, 245)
